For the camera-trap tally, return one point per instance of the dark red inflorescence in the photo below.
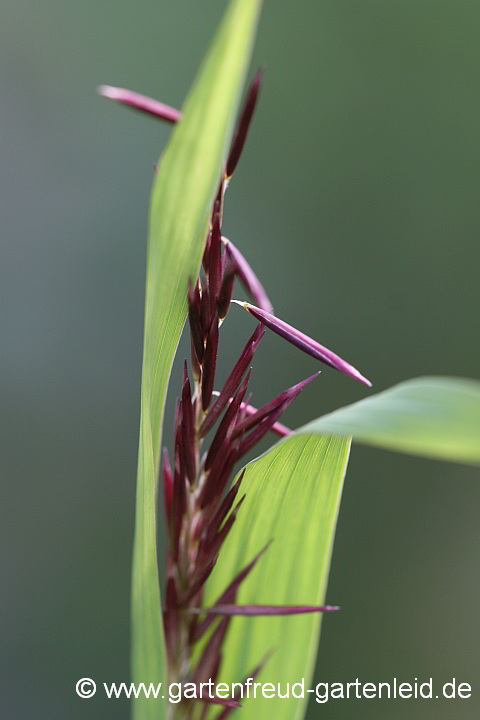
(200, 507)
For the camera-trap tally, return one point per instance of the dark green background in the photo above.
(357, 201)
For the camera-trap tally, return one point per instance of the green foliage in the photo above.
(433, 416)
(186, 182)
(292, 496)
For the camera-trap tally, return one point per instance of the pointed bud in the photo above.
(303, 342)
(195, 321)
(233, 380)
(286, 396)
(244, 124)
(210, 363)
(140, 102)
(249, 280)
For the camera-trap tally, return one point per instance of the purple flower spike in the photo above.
(286, 395)
(141, 102)
(246, 409)
(251, 282)
(278, 428)
(303, 342)
(200, 506)
(262, 429)
(233, 380)
(244, 124)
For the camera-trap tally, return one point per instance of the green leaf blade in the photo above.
(185, 185)
(293, 495)
(432, 416)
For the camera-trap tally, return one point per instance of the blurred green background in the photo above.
(357, 201)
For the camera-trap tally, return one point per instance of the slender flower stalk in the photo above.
(200, 505)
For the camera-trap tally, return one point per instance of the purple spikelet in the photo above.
(303, 342)
(141, 103)
(244, 124)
